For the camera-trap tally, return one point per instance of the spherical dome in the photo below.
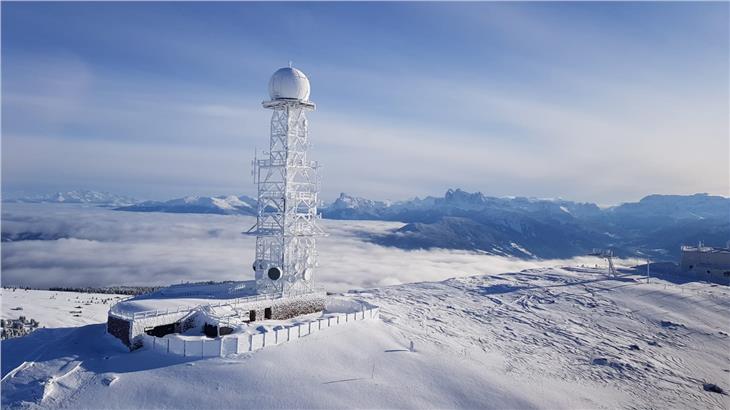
(289, 83)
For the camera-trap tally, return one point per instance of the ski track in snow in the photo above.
(543, 338)
(556, 325)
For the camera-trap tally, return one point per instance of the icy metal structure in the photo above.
(606, 254)
(288, 187)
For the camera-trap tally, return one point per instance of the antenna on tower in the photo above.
(290, 63)
(254, 168)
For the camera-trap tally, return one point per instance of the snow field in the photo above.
(54, 309)
(542, 338)
(654, 343)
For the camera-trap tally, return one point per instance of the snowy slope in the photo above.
(224, 205)
(543, 338)
(53, 309)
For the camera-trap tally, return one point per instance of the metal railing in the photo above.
(117, 311)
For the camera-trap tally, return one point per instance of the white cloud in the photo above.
(104, 247)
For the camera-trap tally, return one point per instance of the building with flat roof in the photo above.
(706, 260)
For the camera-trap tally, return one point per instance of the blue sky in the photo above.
(587, 101)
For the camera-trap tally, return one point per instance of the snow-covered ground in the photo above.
(57, 309)
(542, 338)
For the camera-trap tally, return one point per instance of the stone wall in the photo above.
(289, 308)
(285, 308)
(119, 328)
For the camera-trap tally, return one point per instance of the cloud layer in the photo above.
(101, 247)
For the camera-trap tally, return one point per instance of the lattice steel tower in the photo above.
(288, 187)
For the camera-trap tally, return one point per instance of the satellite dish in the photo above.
(274, 273)
(307, 274)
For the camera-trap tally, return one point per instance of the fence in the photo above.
(241, 343)
(118, 312)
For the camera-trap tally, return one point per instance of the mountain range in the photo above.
(656, 226)
(76, 197)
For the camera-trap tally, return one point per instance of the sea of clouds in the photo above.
(91, 246)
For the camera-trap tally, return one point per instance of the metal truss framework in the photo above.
(607, 254)
(288, 188)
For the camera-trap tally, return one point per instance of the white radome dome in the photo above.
(289, 83)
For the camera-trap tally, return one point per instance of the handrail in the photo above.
(187, 308)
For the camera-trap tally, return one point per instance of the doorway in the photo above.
(162, 330)
(267, 313)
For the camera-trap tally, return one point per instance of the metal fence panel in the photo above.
(257, 341)
(211, 348)
(176, 346)
(240, 343)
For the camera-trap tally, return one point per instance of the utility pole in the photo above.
(648, 264)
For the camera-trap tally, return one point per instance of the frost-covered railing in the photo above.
(118, 312)
(245, 342)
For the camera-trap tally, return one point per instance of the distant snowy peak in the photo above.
(77, 197)
(679, 207)
(454, 202)
(224, 205)
(463, 199)
(351, 207)
(345, 201)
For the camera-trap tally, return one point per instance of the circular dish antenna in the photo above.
(307, 275)
(288, 83)
(274, 273)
